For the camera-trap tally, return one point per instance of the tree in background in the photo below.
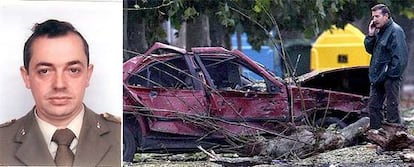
(211, 22)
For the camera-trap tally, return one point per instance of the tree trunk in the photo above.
(217, 33)
(239, 40)
(180, 41)
(308, 142)
(286, 35)
(136, 39)
(392, 137)
(197, 32)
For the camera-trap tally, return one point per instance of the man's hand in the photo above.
(371, 28)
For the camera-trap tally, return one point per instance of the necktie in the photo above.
(63, 138)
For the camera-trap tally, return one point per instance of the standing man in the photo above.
(387, 45)
(60, 130)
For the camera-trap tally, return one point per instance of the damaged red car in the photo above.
(178, 99)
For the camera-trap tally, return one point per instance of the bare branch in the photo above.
(150, 8)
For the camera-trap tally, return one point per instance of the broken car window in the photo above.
(230, 74)
(171, 73)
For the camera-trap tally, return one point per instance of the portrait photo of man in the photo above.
(60, 129)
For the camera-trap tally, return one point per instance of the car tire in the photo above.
(325, 122)
(129, 145)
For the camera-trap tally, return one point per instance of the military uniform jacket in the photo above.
(22, 143)
(389, 53)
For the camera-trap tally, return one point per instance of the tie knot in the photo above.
(63, 136)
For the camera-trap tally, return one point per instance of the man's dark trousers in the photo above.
(388, 89)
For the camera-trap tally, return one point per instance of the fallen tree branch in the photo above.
(209, 154)
(392, 137)
(320, 142)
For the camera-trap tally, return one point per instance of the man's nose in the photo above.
(60, 81)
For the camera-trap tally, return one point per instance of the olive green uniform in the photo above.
(22, 143)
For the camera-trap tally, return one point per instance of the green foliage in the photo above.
(405, 8)
(408, 12)
(258, 18)
(225, 16)
(190, 13)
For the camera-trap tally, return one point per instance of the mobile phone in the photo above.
(373, 25)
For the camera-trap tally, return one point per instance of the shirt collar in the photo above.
(48, 129)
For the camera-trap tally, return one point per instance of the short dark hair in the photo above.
(384, 9)
(50, 28)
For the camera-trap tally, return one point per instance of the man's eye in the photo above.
(43, 71)
(74, 70)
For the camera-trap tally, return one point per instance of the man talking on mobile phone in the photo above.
(386, 43)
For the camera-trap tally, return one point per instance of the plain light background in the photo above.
(100, 22)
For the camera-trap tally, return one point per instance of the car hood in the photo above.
(348, 79)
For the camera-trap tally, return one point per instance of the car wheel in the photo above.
(327, 121)
(129, 145)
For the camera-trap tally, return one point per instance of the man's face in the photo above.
(379, 19)
(58, 76)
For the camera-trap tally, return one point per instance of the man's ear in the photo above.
(90, 71)
(25, 75)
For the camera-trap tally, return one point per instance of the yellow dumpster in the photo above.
(336, 48)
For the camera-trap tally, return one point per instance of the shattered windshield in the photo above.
(228, 73)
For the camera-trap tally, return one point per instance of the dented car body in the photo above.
(350, 79)
(169, 93)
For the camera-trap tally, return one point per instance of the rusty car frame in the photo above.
(178, 99)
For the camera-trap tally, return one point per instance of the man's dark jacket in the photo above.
(22, 143)
(389, 53)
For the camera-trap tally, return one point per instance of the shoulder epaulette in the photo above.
(110, 117)
(6, 124)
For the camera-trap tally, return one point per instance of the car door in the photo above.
(169, 94)
(242, 98)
